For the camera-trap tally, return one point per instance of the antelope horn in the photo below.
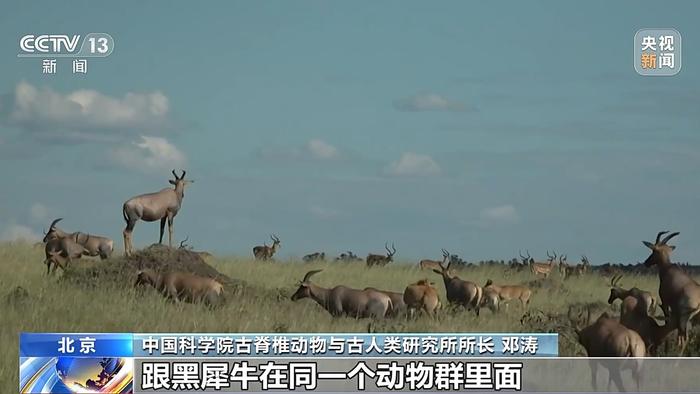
(175, 175)
(54, 223)
(528, 254)
(520, 252)
(310, 274)
(658, 236)
(668, 237)
(183, 174)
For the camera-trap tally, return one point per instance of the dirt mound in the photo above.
(122, 270)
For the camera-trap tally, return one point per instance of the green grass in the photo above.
(113, 306)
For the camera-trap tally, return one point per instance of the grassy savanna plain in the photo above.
(111, 304)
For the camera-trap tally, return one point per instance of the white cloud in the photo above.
(413, 164)
(38, 212)
(151, 154)
(323, 213)
(313, 149)
(16, 232)
(83, 114)
(429, 102)
(500, 214)
(321, 150)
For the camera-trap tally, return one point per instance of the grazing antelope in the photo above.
(163, 205)
(94, 245)
(381, 260)
(318, 256)
(421, 296)
(348, 257)
(679, 293)
(634, 315)
(341, 300)
(544, 269)
(265, 252)
(607, 337)
(617, 292)
(508, 293)
(460, 292)
(434, 264)
(183, 286)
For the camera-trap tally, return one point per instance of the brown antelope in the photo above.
(617, 292)
(265, 252)
(460, 292)
(398, 306)
(544, 269)
(163, 205)
(679, 293)
(607, 337)
(381, 260)
(94, 245)
(634, 315)
(508, 293)
(341, 300)
(183, 286)
(421, 296)
(565, 269)
(434, 264)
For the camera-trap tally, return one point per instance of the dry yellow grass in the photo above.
(60, 306)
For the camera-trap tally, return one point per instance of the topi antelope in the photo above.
(617, 292)
(421, 296)
(163, 205)
(434, 264)
(341, 300)
(607, 337)
(508, 293)
(460, 292)
(265, 252)
(544, 269)
(381, 260)
(94, 245)
(318, 256)
(634, 315)
(679, 293)
(60, 252)
(398, 306)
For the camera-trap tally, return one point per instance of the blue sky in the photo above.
(342, 125)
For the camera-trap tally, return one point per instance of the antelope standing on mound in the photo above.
(94, 245)
(265, 252)
(162, 205)
(618, 293)
(607, 337)
(679, 293)
(460, 292)
(342, 300)
(381, 260)
(434, 264)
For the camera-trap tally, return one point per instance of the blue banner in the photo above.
(75, 345)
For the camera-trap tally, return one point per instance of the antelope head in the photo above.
(524, 259)
(615, 289)
(660, 250)
(551, 258)
(389, 252)
(304, 291)
(276, 243)
(180, 182)
(52, 233)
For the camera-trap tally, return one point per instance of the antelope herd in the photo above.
(636, 333)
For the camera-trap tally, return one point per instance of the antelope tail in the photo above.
(479, 294)
(126, 218)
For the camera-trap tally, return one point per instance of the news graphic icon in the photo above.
(76, 363)
(65, 45)
(657, 52)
